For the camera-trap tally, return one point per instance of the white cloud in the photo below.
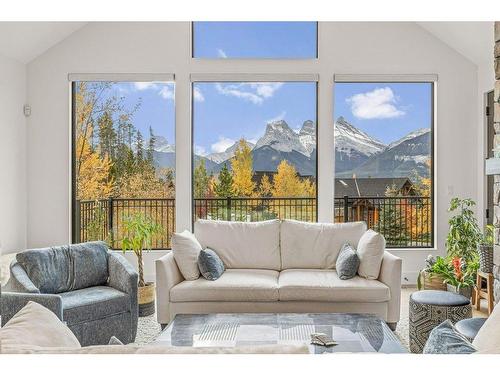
(221, 53)
(377, 104)
(198, 95)
(167, 92)
(279, 117)
(253, 92)
(144, 85)
(222, 144)
(200, 150)
(266, 89)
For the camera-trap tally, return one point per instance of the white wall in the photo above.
(12, 156)
(370, 48)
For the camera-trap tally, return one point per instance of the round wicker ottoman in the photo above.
(429, 308)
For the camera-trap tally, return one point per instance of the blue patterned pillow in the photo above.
(347, 262)
(210, 265)
(445, 339)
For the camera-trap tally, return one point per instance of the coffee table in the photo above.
(353, 332)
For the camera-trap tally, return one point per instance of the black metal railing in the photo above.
(405, 222)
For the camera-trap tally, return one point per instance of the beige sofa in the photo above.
(275, 266)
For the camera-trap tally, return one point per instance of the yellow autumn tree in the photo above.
(147, 184)
(92, 169)
(266, 187)
(93, 178)
(287, 183)
(242, 165)
(421, 213)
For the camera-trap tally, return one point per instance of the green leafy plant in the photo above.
(435, 266)
(464, 233)
(139, 232)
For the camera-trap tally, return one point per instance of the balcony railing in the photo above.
(406, 222)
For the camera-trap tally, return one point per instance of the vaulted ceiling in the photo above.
(24, 41)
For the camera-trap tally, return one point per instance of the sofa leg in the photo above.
(392, 326)
(163, 326)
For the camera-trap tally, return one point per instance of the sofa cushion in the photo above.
(326, 286)
(63, 268)
(241, 244)
(370, 250)
(185, 247)
(487, 339)
(93, 303)
(445, 339)
(37, 326)
(235, 285)
(316, 245)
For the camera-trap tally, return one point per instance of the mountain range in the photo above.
(356, 152)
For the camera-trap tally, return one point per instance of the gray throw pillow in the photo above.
(445, 339)
(347, 262)
(210, 265)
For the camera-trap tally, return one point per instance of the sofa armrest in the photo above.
(122, 276)
(12, 302)
(390, 275)
(19, 280)
(167, 276)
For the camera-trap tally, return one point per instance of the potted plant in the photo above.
(462, 277)
(485, 250)
(464, 233)
(431, 277)
(138, 235)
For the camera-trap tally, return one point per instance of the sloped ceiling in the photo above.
(24, 41)
(474, 40)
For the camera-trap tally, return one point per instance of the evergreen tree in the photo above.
(139, 150)
(224, 187)
(151, 147)
(201, 180)
(392, 223)
(242, 164)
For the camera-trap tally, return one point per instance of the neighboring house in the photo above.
(366, 209)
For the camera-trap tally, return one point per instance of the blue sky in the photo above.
(156, 108)
(230, 111)
(386, 111)
(254, 39)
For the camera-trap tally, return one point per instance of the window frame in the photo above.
(315, 58)
(252, 78)
(402, 78)
(73, 79)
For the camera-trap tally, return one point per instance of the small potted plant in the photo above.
(138, 236)
(462, 277)
(431, 277)
(485, 250)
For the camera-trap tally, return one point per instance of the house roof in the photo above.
(367, 187)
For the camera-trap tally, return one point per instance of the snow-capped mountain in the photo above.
(281, 137)
(401, 158)
(349, 138)
(162, 145)
(219, 157)
(411, 135)
(307, 136)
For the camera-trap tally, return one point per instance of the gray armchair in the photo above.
(93, 290)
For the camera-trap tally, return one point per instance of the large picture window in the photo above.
(255, 40)
(384, 159)
(254, 150)
(123, 159)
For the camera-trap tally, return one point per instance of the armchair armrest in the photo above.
(390, 275)
(122, 275)
(167, 276)
(19, 280)
(12, 302)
